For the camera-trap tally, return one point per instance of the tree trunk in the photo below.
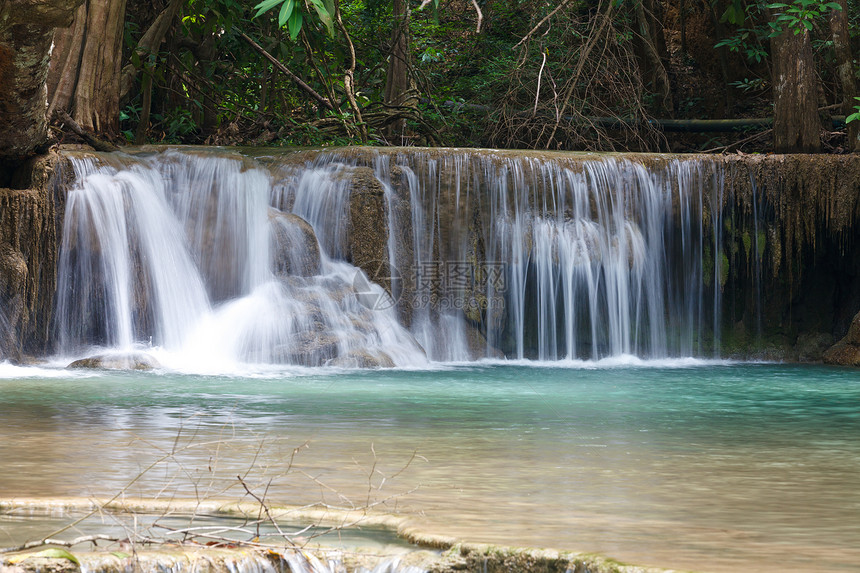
(397, 81)
(796, 127)
(845, 67)
(26, 30)
(149, 43)
(397, 76)
(650, 41)
(85, 79)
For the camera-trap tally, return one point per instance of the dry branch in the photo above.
(60, 542)
(95, 142)
(284, 70)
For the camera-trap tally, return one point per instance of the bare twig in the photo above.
(540, 75)
(753, 137)
(284, 70)
(480, 16)
(539, 24)
(265, 508)
(43, 542)
(477, 9)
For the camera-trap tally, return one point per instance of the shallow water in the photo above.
(684, 464)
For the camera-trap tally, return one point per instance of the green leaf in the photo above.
(295, 24)
(120, 554)
(833, 6)
(265, 6)
(286, 12)
(325, 15)
(53, 553)
(777, 5)
(807, 24)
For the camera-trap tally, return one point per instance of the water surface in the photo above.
(682, 464)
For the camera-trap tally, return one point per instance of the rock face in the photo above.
(30, 215)
(130, 361)
(294, 246)
(846, 352)
(367, 229)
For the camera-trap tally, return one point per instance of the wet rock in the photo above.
(314, 347)
(846, 352)
(478, 347)
(810, 347)
(30, 212)
(294, 246)
(363, 359)
(130, 361)
(367, 229)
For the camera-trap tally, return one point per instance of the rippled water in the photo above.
(684, 464)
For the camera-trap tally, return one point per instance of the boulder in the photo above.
(846, 352)
(294, 246)
(362, 359)
(811, 346)
(126, 361)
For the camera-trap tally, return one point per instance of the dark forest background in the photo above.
(638, 75)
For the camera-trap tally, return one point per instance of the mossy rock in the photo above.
(846, 352)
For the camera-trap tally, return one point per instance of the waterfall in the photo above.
(559, 257)
(217, 258)
(184, 252)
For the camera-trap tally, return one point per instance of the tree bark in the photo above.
(349, 75)
(26, 31)
(796, 127)
(652, 63)
(149, 44)
(397, 75)
(845, 68)
(85, 80)
(397, 81)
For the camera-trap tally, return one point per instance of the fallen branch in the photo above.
(60, 542)
(95, 142)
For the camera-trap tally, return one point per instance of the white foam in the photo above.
(13, 371)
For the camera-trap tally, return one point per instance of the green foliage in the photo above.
(128, 116)
(749, 84)
(290, 14)
(856, 115)
(799, 15)
(210, 85)
(745, 41)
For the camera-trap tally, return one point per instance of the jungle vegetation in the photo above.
(558, 75)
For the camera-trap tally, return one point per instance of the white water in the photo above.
(576, 260)
(173, 252)
(191, 255)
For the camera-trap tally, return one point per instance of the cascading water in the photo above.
(553, 258)
(218, 258)
(183, 252)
